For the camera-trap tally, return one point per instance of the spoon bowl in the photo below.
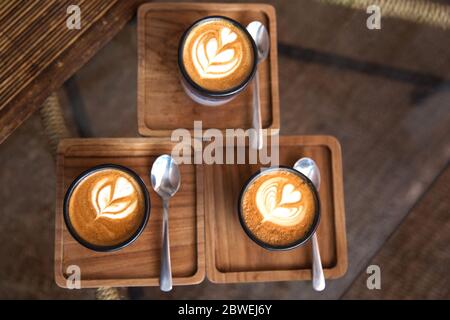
(309, 168)
(261, 37)
(165, 176)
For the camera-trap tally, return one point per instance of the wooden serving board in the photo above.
(207, 192)
(162, 104)
(138, 264)
(232, 257)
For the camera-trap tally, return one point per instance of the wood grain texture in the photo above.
(137, 264)
(233, 257)
(162, 104)
(38, 52)
(414, 262)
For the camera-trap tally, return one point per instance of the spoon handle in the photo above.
(318, 277)
(257, 141)
(165, 278)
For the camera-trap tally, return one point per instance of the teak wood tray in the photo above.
(207, 192)
(232, 257)
(163, 106)
(137, 264)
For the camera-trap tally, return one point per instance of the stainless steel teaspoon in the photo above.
(165, 178)
(309, 168)
(261, 37)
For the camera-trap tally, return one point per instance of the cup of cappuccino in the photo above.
(217, 58)
(106, 207)
(279, 208)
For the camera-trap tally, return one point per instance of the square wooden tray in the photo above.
(162, 104)
(207, 192)
(232, 257)
(137, 264)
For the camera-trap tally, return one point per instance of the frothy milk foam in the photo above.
(278, 207)
(285, 208)
(217, 55)
(208, 58)
(116, 203)
(106, 207)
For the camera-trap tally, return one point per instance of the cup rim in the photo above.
(296, 243)
(193, 84)
(134, 236)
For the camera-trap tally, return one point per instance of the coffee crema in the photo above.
(106, 207)
(217, 55)
(278, 207)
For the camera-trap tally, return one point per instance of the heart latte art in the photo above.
(113, 198)
(278, 207)
(278, 201)
(217, 55)
(106, 207)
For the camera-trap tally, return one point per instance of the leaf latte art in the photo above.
(279, 202)
(107, 207)
(216, 54)
(113, 199)
(278, 207)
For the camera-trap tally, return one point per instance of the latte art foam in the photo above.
(278, 207)
(113, 199)
(283, 208)
(106, 207)
(217, 55)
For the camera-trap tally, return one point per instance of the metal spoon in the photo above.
(261, 37)
(165, 178)
(309, 168)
